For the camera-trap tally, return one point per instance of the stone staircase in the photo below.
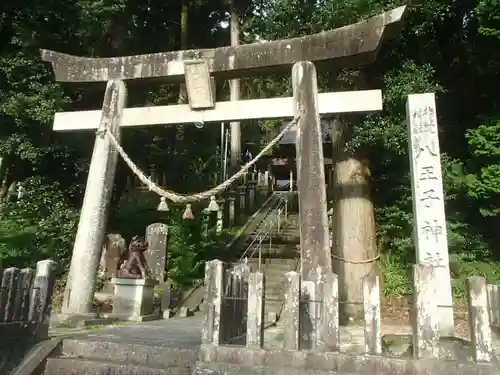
(153, 348)
(274, 271)
(277, 259)
(193, 299)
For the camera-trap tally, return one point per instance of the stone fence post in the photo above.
(425, 312)
(479, 322)
(8, 293)
(371, 305)
(328, 333)
(308, 316)
(291, 311)
(494, 304)
(255, 310)
(214, 274)
(41, 298)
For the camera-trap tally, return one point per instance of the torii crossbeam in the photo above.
(346, 47)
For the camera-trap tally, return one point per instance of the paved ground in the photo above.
(186, 333)
(176, 332)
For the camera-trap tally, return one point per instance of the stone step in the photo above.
(79, 366)
(290, 232)
(272, 267)
(275, 273)
(276, 285)
(273, 296)
(272, 281)
(136, 354)
(270, 262)
(273, 306)
(192, 302)
(218, 368)
(280, 241)
(285, 230)
(283, 251)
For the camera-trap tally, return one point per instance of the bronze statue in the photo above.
(136, 265)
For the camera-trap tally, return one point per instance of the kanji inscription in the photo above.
(430, 237)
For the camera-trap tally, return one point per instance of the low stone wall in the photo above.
(311, 339)
(25, 306)
(219, 360)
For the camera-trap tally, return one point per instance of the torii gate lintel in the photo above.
(345, 47)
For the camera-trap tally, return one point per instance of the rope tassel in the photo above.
(188, 213)
(163, 206)
(213, 206)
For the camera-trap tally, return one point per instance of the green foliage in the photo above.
(39, 226)
(185, 250)
(484, 182)
(396, 277)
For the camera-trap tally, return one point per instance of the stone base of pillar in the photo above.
(133, 299)
(167, 314)
(134, 318)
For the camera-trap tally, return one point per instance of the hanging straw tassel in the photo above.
(188, 213)
(213, 206)
(163, 206)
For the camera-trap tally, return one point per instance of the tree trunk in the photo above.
(353, 227)
(235, 92)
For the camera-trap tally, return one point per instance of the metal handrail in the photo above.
(272, 220)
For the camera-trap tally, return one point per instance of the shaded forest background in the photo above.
(448, 47)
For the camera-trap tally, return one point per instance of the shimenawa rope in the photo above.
(180, 198)
(366, 261)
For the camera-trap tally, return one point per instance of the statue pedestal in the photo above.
(133, 299)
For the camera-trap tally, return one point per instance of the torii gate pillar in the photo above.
(79, 292)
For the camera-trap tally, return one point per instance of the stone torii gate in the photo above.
(349, 46)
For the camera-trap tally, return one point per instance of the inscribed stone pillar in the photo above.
(87, 249)
(314, 238)
(429, 228)
(156, 254)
